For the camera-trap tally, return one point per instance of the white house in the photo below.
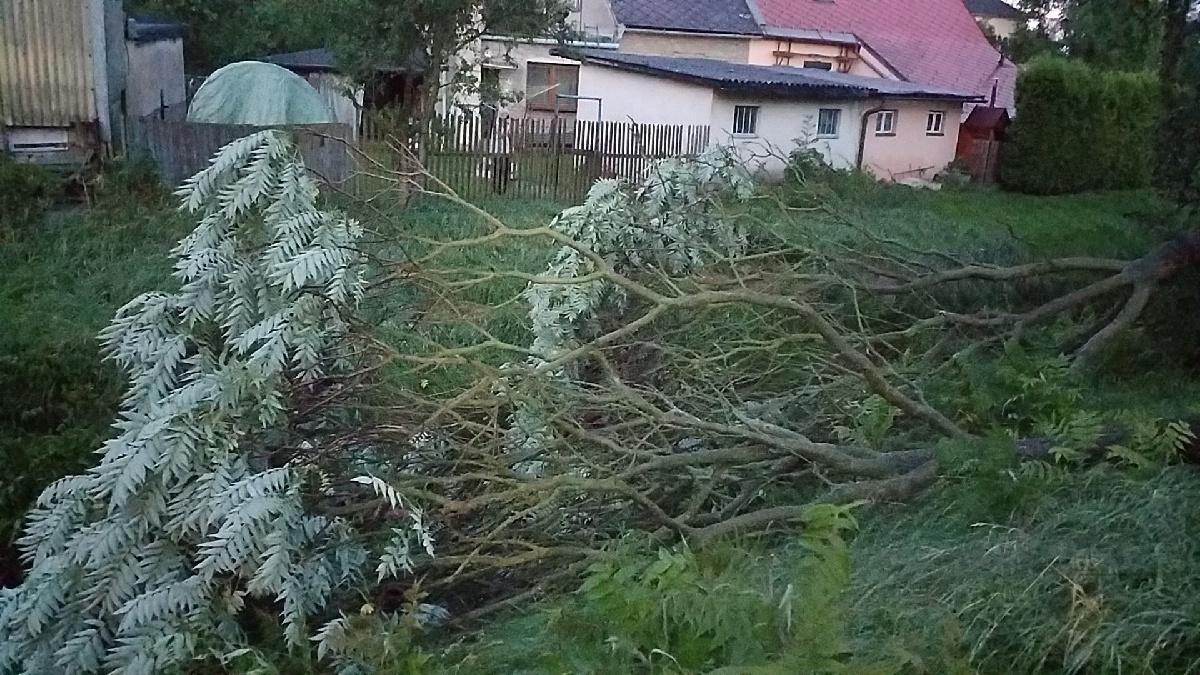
(894, 129)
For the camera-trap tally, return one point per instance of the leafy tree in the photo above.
(1178, 150)
(1115, 34)
(194, 508)
(223, 31)
(433, 37)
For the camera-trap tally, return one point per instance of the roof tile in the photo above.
(702, 16)
(934, 42)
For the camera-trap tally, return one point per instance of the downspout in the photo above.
(862, 133)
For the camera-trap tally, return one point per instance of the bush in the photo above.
(26, 191)
(1080, 128)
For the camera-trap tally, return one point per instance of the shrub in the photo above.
(26, 191)
(722, 609)
(1080, 128)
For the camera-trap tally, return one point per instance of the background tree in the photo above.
(432, 36)
(1178, 157)
(1116, 34)
(222, 31)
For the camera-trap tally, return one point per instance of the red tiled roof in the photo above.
(933, 42)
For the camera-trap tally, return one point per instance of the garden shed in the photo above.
(979, 140)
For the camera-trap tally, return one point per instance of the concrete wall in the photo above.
(642, 98)
(735, 49)
(155, 75)
(762, 52)
(912, 153)
(784, 126)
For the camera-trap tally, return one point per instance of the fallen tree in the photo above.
(691, 365)
(687, 358)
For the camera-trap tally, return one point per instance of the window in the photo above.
(818, 65)
(936, 123)
(547, 86)
(828, 122)
(885, 123)
(745, 120)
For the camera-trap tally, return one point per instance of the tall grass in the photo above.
(1101, 576)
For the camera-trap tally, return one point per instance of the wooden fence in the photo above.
(538, 158)
(476, 156)
(180, 149)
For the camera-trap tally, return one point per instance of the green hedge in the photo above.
(1080, 128)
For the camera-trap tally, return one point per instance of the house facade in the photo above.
(996, 17)
(935, 43)
(524, 77)
(895, 130)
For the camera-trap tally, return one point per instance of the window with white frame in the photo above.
(829, 122)
(745, 120)
(885, 123)
(935, 125)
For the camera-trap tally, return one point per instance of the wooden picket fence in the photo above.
(474, 155)
(180, 149)
(546, 158)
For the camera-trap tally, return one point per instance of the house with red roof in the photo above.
(937, 43)
(876, 84)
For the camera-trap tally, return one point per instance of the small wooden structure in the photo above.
(979, 141)
(180, 149)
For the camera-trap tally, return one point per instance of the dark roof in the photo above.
(701, 16)
(998, 9)
(983, 117)
(771, 80)
(323, 60)
(145, 28)
(306, 61)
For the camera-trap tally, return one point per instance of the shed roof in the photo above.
(323, 60)
(996, 9)
(734, 17)
(769, 80)
(146, 28)
(984, 117)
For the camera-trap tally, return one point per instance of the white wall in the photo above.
(642, 98)
(784, 125)
(515, 56)
(155, 75)
(912, 152)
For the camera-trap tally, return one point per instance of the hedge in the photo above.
(1080, 128)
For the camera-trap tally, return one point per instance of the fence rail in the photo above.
(474, 155)
(180, 149)
(539, 158)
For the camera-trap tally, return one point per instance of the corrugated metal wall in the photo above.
(46, 72)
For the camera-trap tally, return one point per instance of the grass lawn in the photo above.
(1100, 573)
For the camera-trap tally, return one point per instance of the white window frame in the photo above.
(745, 113)
(885, 122)
(935, 123)
(837, 122)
